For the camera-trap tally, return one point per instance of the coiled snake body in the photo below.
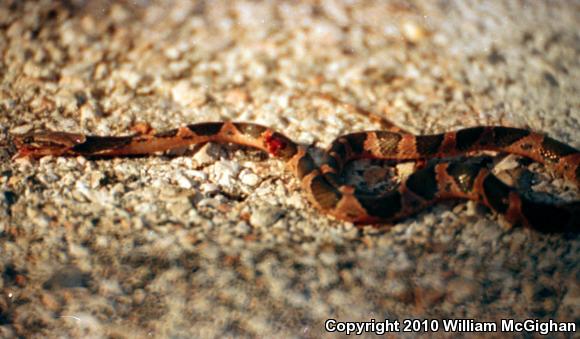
(322, 183)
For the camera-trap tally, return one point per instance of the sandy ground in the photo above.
(218, 240)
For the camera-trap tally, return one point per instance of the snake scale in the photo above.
(323, 185)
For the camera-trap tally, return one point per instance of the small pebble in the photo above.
(209, 188)
(265, 216)
(183, 182)
(249, 178)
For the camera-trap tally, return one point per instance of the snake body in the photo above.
(323, 185)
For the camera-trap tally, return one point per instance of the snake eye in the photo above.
(28, 140)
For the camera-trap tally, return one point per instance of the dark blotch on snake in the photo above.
(505, 136)
(428, 144)
(95, 144)
(206, 129)
(386, 206)
(305, 166)
(544, 217)
(356, 142)
(340, 149)
(423, 183)
(466, 138)
(331, 162)
(497, 193)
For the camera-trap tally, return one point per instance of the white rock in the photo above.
(197, 174)
(229, 168)
(507, 163)
(249, 178)
(183, 182)
(209, 188)
(265, 216)
(204, 156)
(226, 171)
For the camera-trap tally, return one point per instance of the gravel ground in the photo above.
(218, 240)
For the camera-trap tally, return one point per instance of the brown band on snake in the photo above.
(323, 185)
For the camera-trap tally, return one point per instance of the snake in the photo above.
(322, 181)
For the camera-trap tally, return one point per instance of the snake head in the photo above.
(39, 144)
